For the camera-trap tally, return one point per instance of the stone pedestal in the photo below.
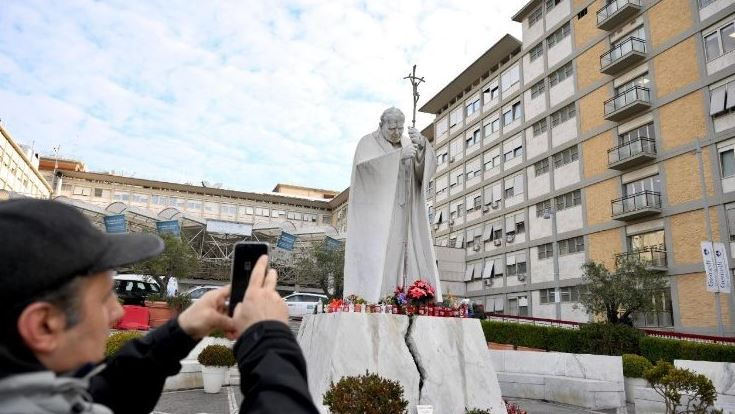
(443, 362)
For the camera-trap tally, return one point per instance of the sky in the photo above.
(244, 93)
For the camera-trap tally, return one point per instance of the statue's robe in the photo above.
(377, 220)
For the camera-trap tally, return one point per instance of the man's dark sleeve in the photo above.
(272, 371)
(133, 380)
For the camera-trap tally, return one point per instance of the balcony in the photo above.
(644, 203)
(616, 12)
(631, 153)
(653, 257)
(628, 103)
(624, 55)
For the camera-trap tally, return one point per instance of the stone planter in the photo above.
(630, 385)
(160, 313)
(213, 378)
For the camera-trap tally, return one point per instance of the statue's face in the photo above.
(392, 129)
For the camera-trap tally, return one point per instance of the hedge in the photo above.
(604, 339)
(655, 348)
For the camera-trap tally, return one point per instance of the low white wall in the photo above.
(722, 375)
(590, 381)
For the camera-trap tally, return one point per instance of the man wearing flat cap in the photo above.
(58, 303)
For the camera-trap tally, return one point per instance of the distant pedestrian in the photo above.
(172, 288)
(58, 303)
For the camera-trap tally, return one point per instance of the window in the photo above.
(538, 89)
(98, 192)
(639, 81)
(473, 139)
(473, 107)
(510, 78)
(727, 163)
(645, 131)
(455, 117)
(565, 157)
(542, 207)
(722, 99)
(477, 202)
(492, 160)
(514, 151)
(541, 167)
(513, 113)
(539, 127)
(120, 196)
(535, 16)
(566, 294)
(652, 183)
(545, 251)
(515, 264)
(720, 41)
(561, 74)
(558, 36)
(536, 52)
(228, 209)
(573, 245)
(492, 127)
(547, 295)
(568, 200)
(550, 4)
(441, 127)
(563, 115)
(514, 186)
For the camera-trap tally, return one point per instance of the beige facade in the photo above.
(19, 175)
(600, 128)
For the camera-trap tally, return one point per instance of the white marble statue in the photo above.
(387, 204)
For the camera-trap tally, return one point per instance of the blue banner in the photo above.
(286, 241)
(116, 224)
(332, 244)
(168, 227)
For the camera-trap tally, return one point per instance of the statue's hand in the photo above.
(417, 138)
(409, 152)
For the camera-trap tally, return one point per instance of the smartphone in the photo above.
(243, 261)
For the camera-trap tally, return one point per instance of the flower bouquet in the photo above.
(420, 293)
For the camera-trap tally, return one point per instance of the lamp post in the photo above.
(550, 214)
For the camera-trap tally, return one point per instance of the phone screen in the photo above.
(243, 262)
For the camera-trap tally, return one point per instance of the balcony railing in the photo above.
(631, 153)
(625, 54)
(653, 257)
(627, 103)
(636, 205)
(615, 12)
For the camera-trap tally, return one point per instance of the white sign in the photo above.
(424, 409)
(709, 266)
(722, 266)
(229, 227)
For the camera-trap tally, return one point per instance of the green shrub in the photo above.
(656, 349)
(179, 302)
(674, 383)
(216, 356)
(531, 336)
(118, 339)
(635, 365)
(367, 393)
(609, 339)
(476, 411)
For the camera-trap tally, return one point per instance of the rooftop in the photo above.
(491, 58)
(528, 8)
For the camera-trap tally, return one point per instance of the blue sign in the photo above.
(116, 224)
(168, 227)
(286, 241)
(332, 244)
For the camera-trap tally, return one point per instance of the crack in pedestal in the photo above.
(413, 351)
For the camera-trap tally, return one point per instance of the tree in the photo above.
(674, 383)
(323, 267)
(176, 260)
(630, 288)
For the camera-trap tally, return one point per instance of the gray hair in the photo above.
(67, 299)
(392, 112)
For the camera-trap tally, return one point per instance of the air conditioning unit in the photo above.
(509, 237)
(485, 209)
(495, 204)
(497, 242)
(488, 282)
(451, 160)
(476, 247)
(521, 277)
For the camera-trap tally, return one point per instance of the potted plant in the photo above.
(178, 302)
(215, 361)
(158, 308)
(633, 368)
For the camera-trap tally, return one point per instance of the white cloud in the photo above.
(249, 94)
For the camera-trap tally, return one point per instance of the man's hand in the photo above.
(261, 301)
(409, 152)
(207, 314)
(416, 137)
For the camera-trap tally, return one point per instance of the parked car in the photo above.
(198, 291)
(300, 304)
(133, 289)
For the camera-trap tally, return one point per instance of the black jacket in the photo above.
(272, 370)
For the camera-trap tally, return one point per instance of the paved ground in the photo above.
(229, 399)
